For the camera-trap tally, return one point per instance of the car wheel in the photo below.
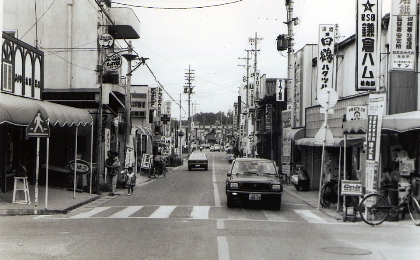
(189, 168)
(206, 168)
(277, 204)
(229, 202)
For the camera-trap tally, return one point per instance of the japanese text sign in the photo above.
(326, 56)
(280, 83)
(403, 35)
(367, 44)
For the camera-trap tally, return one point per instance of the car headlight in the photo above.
(276, 187)
(234, 185)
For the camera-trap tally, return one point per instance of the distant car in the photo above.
(217, 147)
(198, 160)
(254, 181)
(212, 148)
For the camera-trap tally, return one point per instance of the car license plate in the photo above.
(197, 165)
(254, 196)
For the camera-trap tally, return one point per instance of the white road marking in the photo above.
(200, 212)
(309, 216)
(215, 189)
(220, 224)
(163, 212)
(223, 248)
(275, 216)
(91, 212)
(126, 212)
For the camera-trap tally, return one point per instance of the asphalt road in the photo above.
(184, 216)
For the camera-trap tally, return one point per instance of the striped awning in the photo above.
(21, 111)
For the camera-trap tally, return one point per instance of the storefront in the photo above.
(70, 137)
(399, 148)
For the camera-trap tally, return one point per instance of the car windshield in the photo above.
(254, 167)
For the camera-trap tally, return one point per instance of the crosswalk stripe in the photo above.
(274, 216)
(200, 212)
(91, 212)
(309, 216)
(126, 212)
(163, 212)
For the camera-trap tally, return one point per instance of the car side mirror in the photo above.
(229, 174)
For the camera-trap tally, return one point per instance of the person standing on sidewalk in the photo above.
(112, 163)
(130, 179)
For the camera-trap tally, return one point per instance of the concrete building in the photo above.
(82, 42)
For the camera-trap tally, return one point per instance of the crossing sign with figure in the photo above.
(38, 127)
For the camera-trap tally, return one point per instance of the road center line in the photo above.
(215, 189)
(223, 248)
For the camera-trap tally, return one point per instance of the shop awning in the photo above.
(398, 123)
(143, 130)
(295, 134)
(338, 142)
(21, 111)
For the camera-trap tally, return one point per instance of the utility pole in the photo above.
(254, 41)
(129, 56)
(246, 104)
(180, 129)
(291, 61)
(188, 89)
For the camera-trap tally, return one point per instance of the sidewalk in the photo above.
(60, 200)
(311, 198)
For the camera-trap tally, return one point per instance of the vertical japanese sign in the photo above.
(373, 137)
(235, 115)
(326, 56)
(268, 116)
(367, 44)
(251, 98)
(286, 117)
(403, 35)
(280, 83)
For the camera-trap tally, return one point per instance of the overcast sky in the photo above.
(211, 40)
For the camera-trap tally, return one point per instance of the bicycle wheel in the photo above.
(414, 209)
(325, 196)
(374, 209)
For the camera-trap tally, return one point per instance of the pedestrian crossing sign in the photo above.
(38, 127)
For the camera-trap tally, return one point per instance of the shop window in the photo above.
(7, 77)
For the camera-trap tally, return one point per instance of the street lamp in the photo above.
(129, 57)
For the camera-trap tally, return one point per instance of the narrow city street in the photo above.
(184, 216)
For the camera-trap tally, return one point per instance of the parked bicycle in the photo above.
(158, 169)
(329, 193)
(375, 207)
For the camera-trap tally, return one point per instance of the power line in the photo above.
(179, 8)
(157, 81)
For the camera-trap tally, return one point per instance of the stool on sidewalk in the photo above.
(21, 184)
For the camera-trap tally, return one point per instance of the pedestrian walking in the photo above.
(112, 163)
(130, 179)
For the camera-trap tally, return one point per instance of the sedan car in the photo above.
(217, 147)
(198, 160)
(254, 181)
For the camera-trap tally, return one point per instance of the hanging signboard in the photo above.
(106, 41)
(112, 61)
(403, 35)
(326, 56)
(368, 32)
(280, 83)
(356, 113)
